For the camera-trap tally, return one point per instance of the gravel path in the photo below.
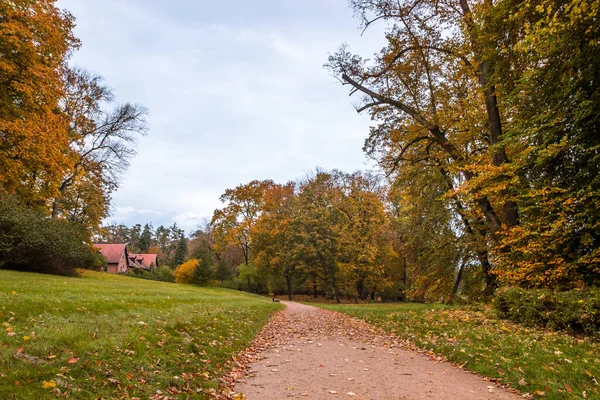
(306, 352)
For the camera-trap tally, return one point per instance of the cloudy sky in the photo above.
(236, 91)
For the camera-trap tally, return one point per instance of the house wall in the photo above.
(123, 263)
(112, 268)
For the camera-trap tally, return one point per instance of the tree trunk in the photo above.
(315, 288)
(510, 210)
(245, 251)
(289, 287)
(457, 282)
(336, 293)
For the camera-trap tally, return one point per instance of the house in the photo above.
(121, 261)
(117, 256)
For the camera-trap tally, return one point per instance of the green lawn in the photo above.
(109, 336)
(545, 364)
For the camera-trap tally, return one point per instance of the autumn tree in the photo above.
(550, 64)
(432, 94)
(274, 232)
(36, 40)
(364, 244)
(318, 231)
(233, 223)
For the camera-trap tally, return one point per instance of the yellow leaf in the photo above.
(48, 384)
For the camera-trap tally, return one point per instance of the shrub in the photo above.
(185, 272)
(31, 241)
(162, 273)
(575, 311)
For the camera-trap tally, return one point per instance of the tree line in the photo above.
(485, 124)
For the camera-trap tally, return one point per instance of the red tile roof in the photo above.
(145, 259)
(112, 252)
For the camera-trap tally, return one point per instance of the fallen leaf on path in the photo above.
(333, 391)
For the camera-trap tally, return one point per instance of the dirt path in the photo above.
(312, 353)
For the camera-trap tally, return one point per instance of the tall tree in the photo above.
(102, 141)
(273, 234)
(36, 40)
(180, 252)
(318, 230)
(146, 239)
(233, 223)
(550, 64)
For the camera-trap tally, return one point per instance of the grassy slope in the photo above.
(545, 364)
(109, 336)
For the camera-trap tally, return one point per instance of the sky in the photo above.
(236, 91)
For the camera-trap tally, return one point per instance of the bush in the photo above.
(575, 311)
(31, 241)
(162, 274)
(185, 272)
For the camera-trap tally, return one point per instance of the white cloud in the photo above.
(235, 94)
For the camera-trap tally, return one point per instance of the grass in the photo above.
(108, 336)
(547, 365)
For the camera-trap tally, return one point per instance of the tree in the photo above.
(146, 239)
(180, 252)
(102, 141)
(36, 40)
(550, 66)
(204, 272)
(223, 272)
(273, 234)
(433, 94)
(318, 231)
(232, 224)
(363, 242)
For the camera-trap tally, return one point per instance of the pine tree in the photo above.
(146, 239)
(180, 252)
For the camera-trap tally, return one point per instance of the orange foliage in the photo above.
(185, 272)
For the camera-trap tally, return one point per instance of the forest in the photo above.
(484, 125)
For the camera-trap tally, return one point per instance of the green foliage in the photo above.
(145, 239)
(161, 274)
(204, 272)
(30, 241)
(555, 97)
(575, 311)
(102, 326)
(223, 272)
(180, 252)
(251, 279)
(545, 364)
